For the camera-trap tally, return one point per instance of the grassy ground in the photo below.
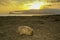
(45, 27)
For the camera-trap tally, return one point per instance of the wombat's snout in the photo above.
(25, 30)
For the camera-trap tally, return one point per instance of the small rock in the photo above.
(25, 30)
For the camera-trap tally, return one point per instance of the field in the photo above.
(45, 27)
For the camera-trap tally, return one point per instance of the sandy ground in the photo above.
(45, 27)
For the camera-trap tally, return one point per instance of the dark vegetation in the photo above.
(45, 27)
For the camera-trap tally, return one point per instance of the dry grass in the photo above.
(45, 27)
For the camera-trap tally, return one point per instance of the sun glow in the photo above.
(36, 5)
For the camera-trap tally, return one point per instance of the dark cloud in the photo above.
(58, 0)
(53, 0)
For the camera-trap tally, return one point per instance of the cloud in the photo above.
(54, 0)
(5, 2)
(10, 5)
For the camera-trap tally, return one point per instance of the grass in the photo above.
(45, 27)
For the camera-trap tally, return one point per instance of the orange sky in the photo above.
(12, 6)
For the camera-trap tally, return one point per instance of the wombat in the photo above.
(25, 30)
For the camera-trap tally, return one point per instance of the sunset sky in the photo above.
(11, 5)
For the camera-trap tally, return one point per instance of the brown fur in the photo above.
(25, 30)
